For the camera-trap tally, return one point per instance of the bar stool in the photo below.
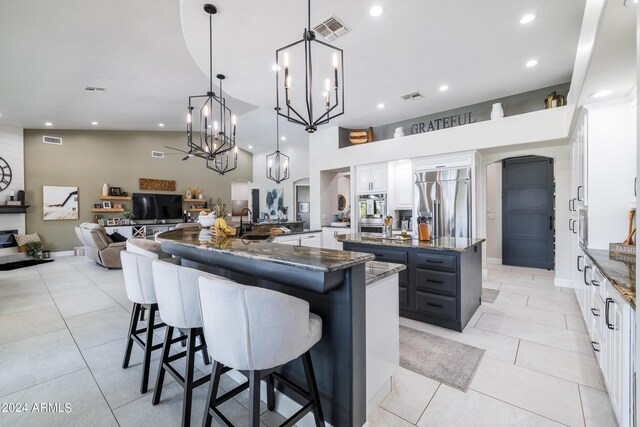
(177, 292)
(138, 279)
(258, 330)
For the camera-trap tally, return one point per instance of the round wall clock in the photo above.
(5, 174)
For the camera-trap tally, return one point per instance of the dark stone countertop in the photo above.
(316, 259)
(376, 270)
(619, 269)
(441, 243)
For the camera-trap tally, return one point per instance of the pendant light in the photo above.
(215, 136)
(278, 165)
(329, 97)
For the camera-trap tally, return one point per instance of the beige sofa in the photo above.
(98, 245)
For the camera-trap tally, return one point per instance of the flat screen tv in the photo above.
(157, 206)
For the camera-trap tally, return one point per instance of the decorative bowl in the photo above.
(206, 221)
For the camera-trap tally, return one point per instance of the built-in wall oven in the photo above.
(372, 209)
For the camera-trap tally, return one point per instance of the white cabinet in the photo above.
(329, 237)
(372, 178)
(312, 240)
(400, 185)
(287, 240)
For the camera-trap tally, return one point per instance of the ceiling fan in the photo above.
(189, 153)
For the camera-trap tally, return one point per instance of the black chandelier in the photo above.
(278, 163)
(215, 135)
(332, 93)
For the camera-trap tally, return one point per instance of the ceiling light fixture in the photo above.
(630, 3)
(601, 94)
(161, 125)
(275, 67)
(306, 115)
(444, 88)
(48, 124)
(277, 163)
(250, 147)
(531, 63)
(380, 106)
(376, 11)
(94, 123)
(215, 136)
(527, 19)
(284, 138)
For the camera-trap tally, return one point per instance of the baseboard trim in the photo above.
(485, 272)
(494, 261)
(61, 254)
(564, 283)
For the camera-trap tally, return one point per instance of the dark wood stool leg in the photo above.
(183, 343)
(213, 392)
(205, 353)
(254, 398)
(271, 395)
(188, 378)
(146, 364)
(313, 388)
(132, 328)
(142, 311)
(166, 347)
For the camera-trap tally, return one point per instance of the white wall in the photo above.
(494, 213)
(299, 163)
(12, 150)
(240, 190)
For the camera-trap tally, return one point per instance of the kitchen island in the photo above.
(333, 282)
(442, 284)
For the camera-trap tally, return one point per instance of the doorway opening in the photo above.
(521, 212)
(302, 203)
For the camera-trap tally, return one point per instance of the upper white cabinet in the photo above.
(372, 178)
(400, 185)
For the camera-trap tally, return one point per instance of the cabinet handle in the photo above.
(433, 261)
(578, 262)
(595, 312)
(578, 193)
(635, 186)
(595, 283)
(434, 305)
(586, 267)
(573, 204)
(440, 282)
(551, 222)
(606, 313)
(574, 227)
(593, 346)
(570, 229)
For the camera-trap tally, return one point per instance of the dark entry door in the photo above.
(528, 212)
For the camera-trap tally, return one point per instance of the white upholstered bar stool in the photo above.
(138, 279)
(256, 331)
(179, 304)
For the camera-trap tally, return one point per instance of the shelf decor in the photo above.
(149, 184)
(277, 163)
(332, 102)
(59, 203)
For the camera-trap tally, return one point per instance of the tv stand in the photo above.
(142, 231)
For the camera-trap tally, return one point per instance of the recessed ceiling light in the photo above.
(48, 124)
(444, 88)
(283, 138)
(376, 11)
(630, 3)
(601, 94)
(161, 125)
(250, 147)
(94, 123)
(531, 63)
(0, 114)
(526, 19)
(276, 67)
(380, 106)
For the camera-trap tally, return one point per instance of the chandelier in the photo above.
(331, 103)
(277, 163)
(215, 134)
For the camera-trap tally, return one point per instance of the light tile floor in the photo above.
(61, 340)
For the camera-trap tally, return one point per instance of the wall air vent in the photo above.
(413, 96)
(157, 154)
(331, 28)
(52, 140)
(94, 89)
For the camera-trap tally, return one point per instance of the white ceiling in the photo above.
(143, 52)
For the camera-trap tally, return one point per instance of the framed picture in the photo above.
(97, 206)
(111, 222)
(59, 203)
(101, 222)
(106, 205)
(115, 191)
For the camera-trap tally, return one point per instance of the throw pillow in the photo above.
(117, 237)
(23, 239)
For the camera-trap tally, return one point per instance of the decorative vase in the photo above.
(496, 111)
(359, 136)
(188, 194)
(105, 190)
(398, 133)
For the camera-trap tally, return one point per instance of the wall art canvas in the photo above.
(274, 202)
(59, 203)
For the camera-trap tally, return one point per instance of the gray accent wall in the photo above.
(88, 159)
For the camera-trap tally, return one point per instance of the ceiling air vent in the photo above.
(52, 140)
(94, 89)
(331, 28)
(157, 154)
(413, 96)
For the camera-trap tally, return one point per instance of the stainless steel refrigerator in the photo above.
(443, 199)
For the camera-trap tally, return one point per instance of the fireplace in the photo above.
(6, 238)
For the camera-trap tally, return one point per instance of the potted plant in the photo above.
(129, 216)
(33, 249)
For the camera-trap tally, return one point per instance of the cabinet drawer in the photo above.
(386, 255)
(436, 281)
(439, 262)
(403, 296)
(437, 305)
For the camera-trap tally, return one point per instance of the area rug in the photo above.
(21, 264)
(444, 360)
(489, 295)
